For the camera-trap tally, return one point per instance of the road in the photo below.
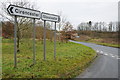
(105, 65)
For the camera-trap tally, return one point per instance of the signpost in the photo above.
(44, 40)
(15, 42)
(18, 11)
(34, 48)
(55, 42)
(53, 18)
(23, 12)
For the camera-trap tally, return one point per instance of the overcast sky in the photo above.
(77, 11)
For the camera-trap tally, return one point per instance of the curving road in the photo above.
(105, 65)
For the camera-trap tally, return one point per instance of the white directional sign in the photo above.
(50, 17)
(23, 12)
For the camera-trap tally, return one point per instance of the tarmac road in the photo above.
(105, 65)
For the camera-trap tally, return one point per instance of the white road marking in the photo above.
(105, 54)
(101, 51)
(113, 56)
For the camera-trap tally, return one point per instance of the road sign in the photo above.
(23, 12)
(53, 18)
(50, 17)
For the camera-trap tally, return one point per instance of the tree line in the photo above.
(99, 30)
(98, 26)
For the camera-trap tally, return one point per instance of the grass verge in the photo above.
(71, 60)
(108, 44)
(101, 43)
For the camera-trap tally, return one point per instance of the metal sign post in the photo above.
(55, 42)
(34, 48)
(23, 12)
(44, 40)
(53, 18)
(15, 42)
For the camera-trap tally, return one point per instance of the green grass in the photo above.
(106, 44)
(100, 43)
(71, 60)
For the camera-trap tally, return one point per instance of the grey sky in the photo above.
(78, 11)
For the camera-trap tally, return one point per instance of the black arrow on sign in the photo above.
(11, 9)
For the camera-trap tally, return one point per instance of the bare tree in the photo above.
(62, 22)
(117, 26)
(110, 26)
(68, 27)
(67, 31)
(22, 23)
(51, 28)
(96, 26)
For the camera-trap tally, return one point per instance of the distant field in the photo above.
(104, 44)
(111, 42)
(107, 44)
(72, 59)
